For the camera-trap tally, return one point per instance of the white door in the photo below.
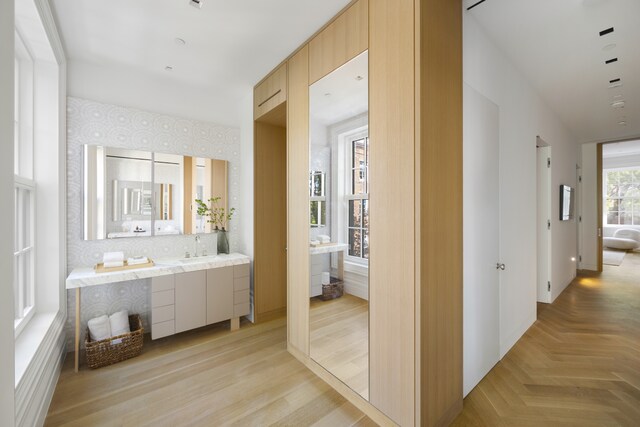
(543, 171)
(481, 323)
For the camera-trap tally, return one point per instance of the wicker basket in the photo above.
(115, 349)
(335, 289)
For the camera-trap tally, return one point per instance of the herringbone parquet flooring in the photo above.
(578, 365)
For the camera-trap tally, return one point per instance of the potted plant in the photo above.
(219, 219)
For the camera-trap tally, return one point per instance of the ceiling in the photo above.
(230, 45)
(557, 46)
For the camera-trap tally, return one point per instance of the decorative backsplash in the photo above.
(90, 122)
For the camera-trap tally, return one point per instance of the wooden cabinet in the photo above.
(219, 294)
(271, 92)
(184, 301)
(191, 300)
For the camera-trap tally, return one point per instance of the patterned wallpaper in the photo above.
(90, 122)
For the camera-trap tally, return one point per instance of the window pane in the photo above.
(613, 205)
(612, 218)
(358, 181)
(26, 218)
(16, 218)
(314, 213)
(625, 218)
(626, 204)
(355, 242)
(355, 213)
(365, 215)
(365, 244)
(28, 291)
(612, 190)
(16, 288)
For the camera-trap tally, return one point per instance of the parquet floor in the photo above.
(339, 339)
(207, 377)
(578, 365)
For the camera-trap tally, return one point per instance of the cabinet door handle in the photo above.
(269, 98)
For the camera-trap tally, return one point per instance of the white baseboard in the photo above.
(36, 387)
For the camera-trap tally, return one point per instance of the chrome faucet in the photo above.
(197, 242)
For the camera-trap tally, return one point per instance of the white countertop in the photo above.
(86, 276)
(327, 249)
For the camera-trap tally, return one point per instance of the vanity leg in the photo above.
(341, 265)
(235, 323)
(77, 339)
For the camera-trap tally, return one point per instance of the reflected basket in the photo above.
(335, 289)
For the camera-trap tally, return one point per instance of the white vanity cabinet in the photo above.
(184, 301)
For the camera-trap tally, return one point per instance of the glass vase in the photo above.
(223, 242)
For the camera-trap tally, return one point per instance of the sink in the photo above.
(192, 260)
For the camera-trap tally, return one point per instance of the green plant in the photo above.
(217, 215)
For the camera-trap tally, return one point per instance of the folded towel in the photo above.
(314, 242)
(119, 323)
(99, 328)
(113, 264)
(112, 257)
(324, 238)
(137, 260)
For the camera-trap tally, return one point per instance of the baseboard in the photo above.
(35, 390)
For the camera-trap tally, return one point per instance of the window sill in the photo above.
(29, 340)
(356, 268)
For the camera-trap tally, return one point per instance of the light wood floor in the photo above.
(207, 377)
(339, 339)
(578, 365)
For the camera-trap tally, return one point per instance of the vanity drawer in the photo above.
(271, 92)
(163, 329)
(241, 309)
(159, 299)
(241, 284)
(241, 270)
(162, 314)
(241, 297)
(163, 283)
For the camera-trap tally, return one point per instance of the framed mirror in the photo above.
(339, 223)
(132, 193)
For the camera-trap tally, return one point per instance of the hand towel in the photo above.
(113, 264)
(112, 257)
(326, 278)
(137, 260)
(99, 328)
(119, 323)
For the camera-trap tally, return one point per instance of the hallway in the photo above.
(579, 364)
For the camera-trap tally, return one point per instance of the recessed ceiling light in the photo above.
(180, 41)
(602, 33)
(614, 80)
(609, 47)
(617, 104)
(168, 68)
(196, 3)
(611, 61)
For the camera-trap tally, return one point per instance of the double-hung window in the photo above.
(357, 198)
(622, 196)
(24, 191)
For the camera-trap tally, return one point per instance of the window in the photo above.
(622, 196)
(24, 191)
(358, 198)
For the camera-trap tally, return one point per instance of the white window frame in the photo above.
(24, 298)
(348, 192)
(605, 198)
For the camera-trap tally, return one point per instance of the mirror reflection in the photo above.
(131, 193)
(339, 223)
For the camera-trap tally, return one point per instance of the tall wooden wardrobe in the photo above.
(415, 274)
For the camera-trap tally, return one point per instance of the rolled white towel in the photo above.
(137, 260)
(326, 278)
(119, 323)
(112, 257)
(113, 264)
(99, 328)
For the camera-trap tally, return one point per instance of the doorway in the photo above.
(543, 220)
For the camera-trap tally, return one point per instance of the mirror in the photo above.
(339, 223)
(131, 193)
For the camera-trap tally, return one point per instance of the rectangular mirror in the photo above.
(132, 193)
(339, 223)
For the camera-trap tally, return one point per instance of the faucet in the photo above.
(197, 241)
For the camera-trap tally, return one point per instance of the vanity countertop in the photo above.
(328, 248)
(86, 276)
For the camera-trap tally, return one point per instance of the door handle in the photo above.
(500, 266)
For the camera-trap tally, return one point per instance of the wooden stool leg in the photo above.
(235, 323)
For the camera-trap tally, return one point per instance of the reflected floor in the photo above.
(339, 338)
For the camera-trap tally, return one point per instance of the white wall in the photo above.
(523, 117)
(6, 215)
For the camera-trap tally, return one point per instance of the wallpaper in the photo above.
(90, 122)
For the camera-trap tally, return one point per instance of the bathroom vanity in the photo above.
(186, 293)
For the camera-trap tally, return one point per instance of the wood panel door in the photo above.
(270, 216)
(481, 324)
